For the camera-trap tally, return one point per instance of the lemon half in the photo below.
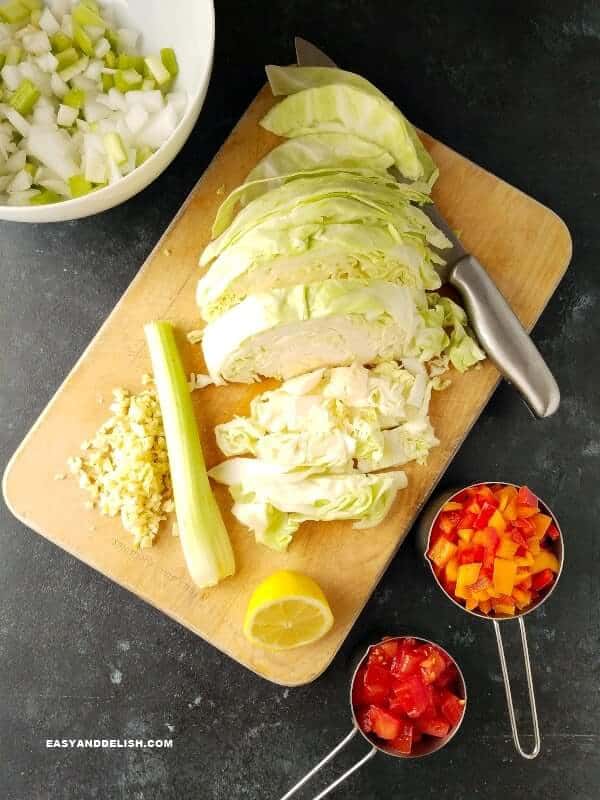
(287, 610)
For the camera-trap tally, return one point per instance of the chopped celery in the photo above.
(14, 13)
(2, 59)
(74, 98)
(79, 186)
(202, 533)
(149, 85)
(24, 99)
(60, 42)
(83, 41)
(66, 58)
(110, 60)
(169, 60)
(142, 154)
(114, 147)
(13, 55)
(83, 14)
(75, 69)
(126, 61)
(35, 17)
(113, 38)
(157, 70)
(127, 79)
(91, 4)
(44, 197)
(30, 168)
(107, 81)
(32, 5)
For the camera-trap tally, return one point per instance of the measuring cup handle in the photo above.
(324, 761)
(509, 700)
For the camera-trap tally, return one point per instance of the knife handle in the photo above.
(503, 337)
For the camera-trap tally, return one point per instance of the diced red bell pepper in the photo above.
(390, 647)
(518, 537)
(553, 532)
(404, 741)
(452, 708)
(412, 696)
(471, 553)
(449, 520)
(525, 497)
(364, 719)
(466, 521)
(384, 724)
(484, 516)
(433, 666)
(359, 697)
(542, 579)
(484, 494)
(526, 526)
(449, 677)
(433, 726)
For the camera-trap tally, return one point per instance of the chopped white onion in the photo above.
(21, 182)
(11, 75)
(151, 101)
(58, 86)
(36, 43)
(102, 47)
(66, 116)
(16, 120)
(136, 118)
(49, 23)
(128, 39)
(47, 63)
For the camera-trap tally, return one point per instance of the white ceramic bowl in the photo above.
(188, 26)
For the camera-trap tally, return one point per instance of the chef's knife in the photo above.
(498, 330)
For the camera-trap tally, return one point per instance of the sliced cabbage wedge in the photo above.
(278, 206)
(276, 507)
(287, 332)
(265, 259)
(329, 100)
(318, 151)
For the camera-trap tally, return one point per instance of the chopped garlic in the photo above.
(125, 469)
(195, 337)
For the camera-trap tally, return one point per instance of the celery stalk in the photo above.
(83, 41)
(13, 55)
(85, 15)
(2, 59)
(127, 79)
(202, 533)
(24, 99)
(32, 5)
(44, 197)
(157, 70)
(79, 186)
(74, 98)
(107, 81)
(66, 58)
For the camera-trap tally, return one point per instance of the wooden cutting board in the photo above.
(526, 249)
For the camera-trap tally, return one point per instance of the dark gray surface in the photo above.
(514, 86)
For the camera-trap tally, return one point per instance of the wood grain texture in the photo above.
(526, 249)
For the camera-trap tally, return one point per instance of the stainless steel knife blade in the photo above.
(498, 329)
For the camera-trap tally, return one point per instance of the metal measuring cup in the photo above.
(424, 531)
(425, 747)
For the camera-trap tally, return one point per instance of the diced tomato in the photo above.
(484, 494)
(359, 697)
(390, 647)
(449, 677)
(364, 719)
(433, 666)
(542, 579)
(406, 663)
(433, 726)
(525, 497)
(377, 682)
(412, 696)
(384, 724)
(452, 708)
(404, 741)
(484, 516)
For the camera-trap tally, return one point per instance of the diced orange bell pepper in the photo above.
(497, 521)
(508, 609)
(522, 597)
(452, 505)
(505, 573)
(534, 546)
(542, 522)
(442, 551)
(485, 606)
(505, 495)
(526, 497)
(545, 560)
(523, 580)
(523, 512)
(507, 547)
(465, 534)
(471, 604)
(451, 571)
(510, 512)
(467, 575)
(525, 561)
(474, 507)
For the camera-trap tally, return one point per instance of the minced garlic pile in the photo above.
(125, 468)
